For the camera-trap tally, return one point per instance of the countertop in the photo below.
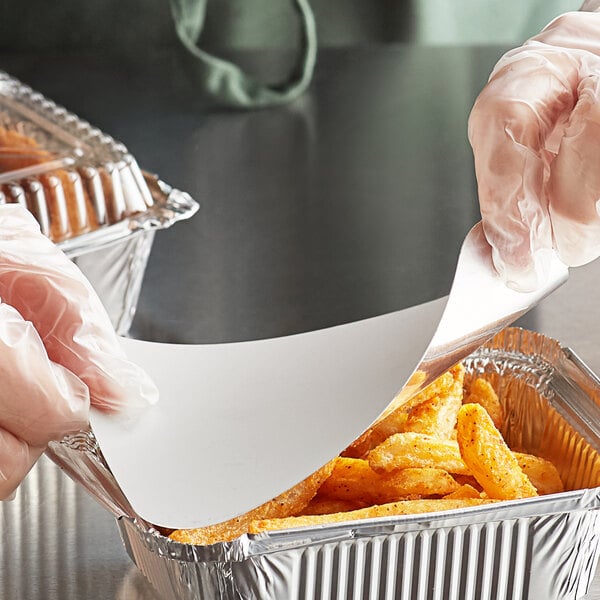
(349, 203)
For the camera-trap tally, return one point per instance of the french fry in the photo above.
(411, 389)
(424, 481)
(409, 449)
(353, 480)
(395, 416)
(437, 450)
(289, 502)
(482, 392)
(324, 506)
(439, 386)
(404, 507)
(391, 424)
(436, 415)
(463, 492)
(467, 480)
(542, 473)
(488, 457)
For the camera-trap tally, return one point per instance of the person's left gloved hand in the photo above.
(58, 350)
(535, 133)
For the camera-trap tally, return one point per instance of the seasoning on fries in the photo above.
(438, 450)
(488, 457)
(406, 507)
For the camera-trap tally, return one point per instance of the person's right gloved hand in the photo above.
(535, 133)
(58, 350)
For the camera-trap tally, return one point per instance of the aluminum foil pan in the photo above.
(545, 547)
(86, 191)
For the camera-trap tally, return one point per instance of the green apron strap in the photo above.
(225, 80)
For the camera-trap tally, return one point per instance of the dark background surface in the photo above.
(348, 203)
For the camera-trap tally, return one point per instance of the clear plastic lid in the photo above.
(73, 177)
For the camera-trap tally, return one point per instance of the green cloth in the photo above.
(225, 80)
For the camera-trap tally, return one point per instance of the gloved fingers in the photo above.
(574, 184)
(49, 290)
(513, 129)
(39, 400)
(16, 460)
(574, 30)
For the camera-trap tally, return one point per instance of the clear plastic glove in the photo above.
(535, 133)
(58, 350)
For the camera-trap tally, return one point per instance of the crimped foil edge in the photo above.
(79, 455)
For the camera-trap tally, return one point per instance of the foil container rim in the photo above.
(253, 545)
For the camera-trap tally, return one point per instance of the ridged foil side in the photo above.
(550, 404)
(545, 547)
(508, 559)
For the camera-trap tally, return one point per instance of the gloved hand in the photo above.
(535, 133)
(58, 349)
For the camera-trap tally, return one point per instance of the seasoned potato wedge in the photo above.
(405, 507)
(436, 414)
(440, 449)
(488, 457)
(542, 473)
(290, 502)
(353, 480)
(482, 392)
(403, 450)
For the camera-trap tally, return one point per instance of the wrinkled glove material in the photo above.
(535, 133)
(59, 353)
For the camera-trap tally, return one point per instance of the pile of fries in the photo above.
(439, 450)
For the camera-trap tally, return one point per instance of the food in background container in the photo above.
(57, 198)
(86, 191)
